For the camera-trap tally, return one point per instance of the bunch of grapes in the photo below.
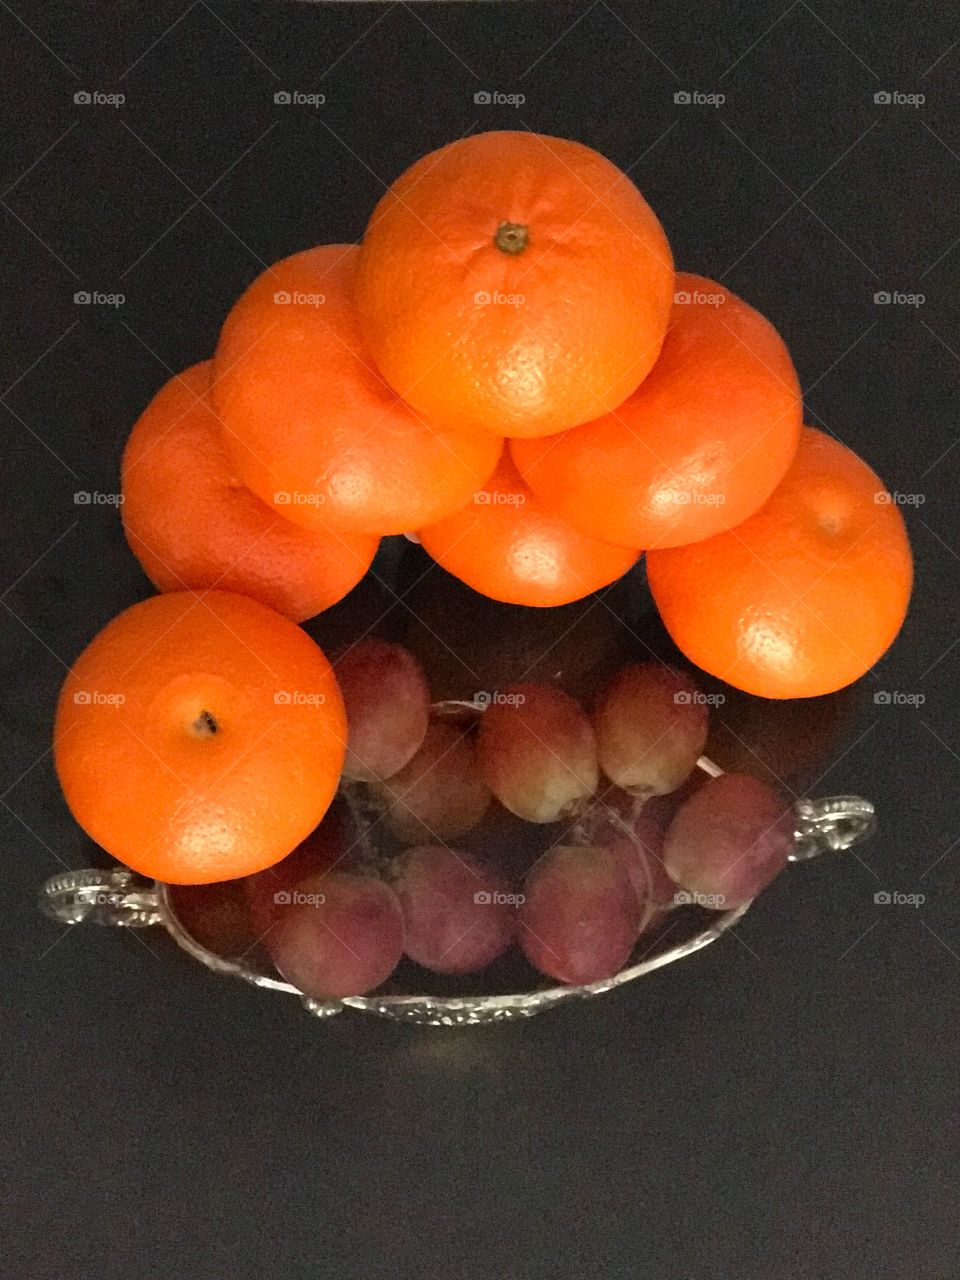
(520, 818)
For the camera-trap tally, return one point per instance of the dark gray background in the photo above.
(780, 1105)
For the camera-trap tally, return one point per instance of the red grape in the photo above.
(505, 842)
(633, 829)
(215, 915)
(580, 916)
(332, 844)
(537, 753)
(728, 840)
(634, 862)
(650, 827)
(439, 794)
(387, 703)
(339, 935)
(651, 724)
(458, 916)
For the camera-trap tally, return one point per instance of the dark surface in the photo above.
(782, 1105)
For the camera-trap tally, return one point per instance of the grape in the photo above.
(634, 831)
(649, 828)
(331, 844)
(537, 753)
(580, 917)
(468, 642)
(505, 842)
(215, 915)
(728, 840)
(339, 935)
(651, 725)
(633, 862)
(458, 916)
(796, 735)
(439, 794)
(387, 703)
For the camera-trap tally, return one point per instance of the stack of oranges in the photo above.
(509, 368)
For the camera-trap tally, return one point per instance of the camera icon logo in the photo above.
(281, 498)
(682, 98)
(882, 298)
(81, 498)
(482, 497)
(82, 98)
(882, 698)
(683, 698)
(282, 898)
(682, 298)
(882, 498)
(482, 898)
(683, 899)
(282, 698)
(82, 299)
(282, 298)
(481, 299)
(882, 97)
(82, 698)
(282, 98)
(483, 98)
(882, 898)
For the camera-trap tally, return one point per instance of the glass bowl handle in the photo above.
(97, 896)
(830, 825)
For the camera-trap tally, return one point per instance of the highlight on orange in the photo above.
(310, 425)
(507, 544)
(804, 596)
(514, 282)
(199, 737)
(699, 446)
(192, 524)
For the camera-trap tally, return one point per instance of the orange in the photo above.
(199, 737)
(311, 426)
(192, 524)
(508, 545)
(514, 282)
(806, 595)
(697, 448)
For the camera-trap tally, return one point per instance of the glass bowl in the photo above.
(120, 897)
